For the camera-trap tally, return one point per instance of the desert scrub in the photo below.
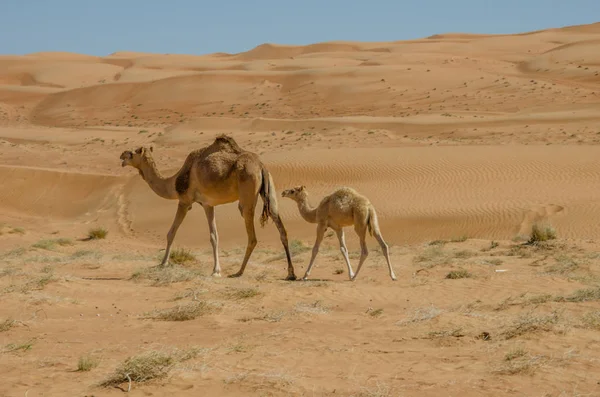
(166, 275)
(87, 363)
(97, 233)
(184, 312)
(243, 293)
(148, 365)
(181, 256)
(530, 323)
(540, 233)
(456, 274)
(50, 244)
(7, 324)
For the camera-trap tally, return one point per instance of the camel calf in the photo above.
(343, 207)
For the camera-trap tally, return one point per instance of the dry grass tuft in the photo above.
(7, 324)
(87, 363)
(148, 365)
(181, 256)
(591, 320)
(166, 275)
(50, 244)
(518, 361)
(581, 295)
(375, 312)
(25, 346)
(185, 312)
(317, 307)
(530, 323)
(243, 293)
(431, 257)
(540, 233)
(98, 233)
(456, 274)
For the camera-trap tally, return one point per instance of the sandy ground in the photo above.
(462, 143)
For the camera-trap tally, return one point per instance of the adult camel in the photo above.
(217, 174)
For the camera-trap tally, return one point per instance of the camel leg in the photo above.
(321, 228)
(386, 252)
(364, 251)
(214, 238)
(284, 241)
(248, 214)
(182, 210)
(344, 249)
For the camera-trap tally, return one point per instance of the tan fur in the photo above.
(344, 207)
(217, 174)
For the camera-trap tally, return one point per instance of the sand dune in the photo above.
(463, 142)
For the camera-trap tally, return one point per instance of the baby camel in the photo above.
(343, 207)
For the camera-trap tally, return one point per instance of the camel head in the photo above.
(135, 158)
(297, 193)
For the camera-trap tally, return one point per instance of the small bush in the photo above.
(87, 363)
(98, 233)
(180, 256)
(541, 233)
(529, 323)
(147, 366)
(244, 293)
(185, 312)
(456, 274)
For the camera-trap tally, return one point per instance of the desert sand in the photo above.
(462, 142)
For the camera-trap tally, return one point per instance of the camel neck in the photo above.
(164, 187)
(306, 211)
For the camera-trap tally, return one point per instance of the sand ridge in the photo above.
(462, 142)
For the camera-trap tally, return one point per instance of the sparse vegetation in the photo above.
(25, 346)
(518, 361)
(541, 233)
(7, 324)
(421, 314)
(581, 295)
(50, 244)
(375, 313)
(243, 293)
(97, 233)
(87, 363)
(456, 274)
(591, 320)
(185, 312)
(148, 365)
(530, 323)
(166, 275)
(181, 256)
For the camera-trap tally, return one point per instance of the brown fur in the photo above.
(219, 173)
(344, 207)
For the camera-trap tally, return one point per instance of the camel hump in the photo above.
(225, 141)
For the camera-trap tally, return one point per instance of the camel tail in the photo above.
(372, 222)
(267, 192)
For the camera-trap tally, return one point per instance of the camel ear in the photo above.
(151, 148)
(139, 150)
(302, 187)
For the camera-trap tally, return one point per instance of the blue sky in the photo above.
(100, 27)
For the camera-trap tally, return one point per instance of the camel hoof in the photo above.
(394, 278)
(216, 274)
(304, 278)
(291, 277)
(235, 275)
